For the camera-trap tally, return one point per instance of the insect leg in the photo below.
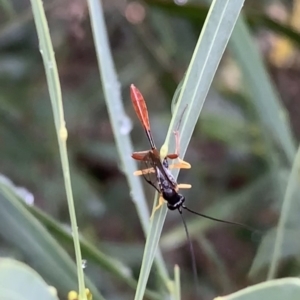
(184, 186)
(143, 172)
(161, 201)
(182, 164)
(139, 155)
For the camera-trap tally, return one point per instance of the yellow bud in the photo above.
(72, 295)
(63, 133)
(89, 294)
(164, 151)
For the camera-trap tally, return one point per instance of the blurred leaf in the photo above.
(290, 248)
(8, 8)
(279, 289)
(218, 264)
(285, 242)
(233, 134)
(18, 281)
(90, 252)
(197, 14)
(231, 205)
(261, 90)
(21, 20)
(21, 229)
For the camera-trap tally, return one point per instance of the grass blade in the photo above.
(177, 282)
(285, 288)
(207, 55)
(120, 122)
(274, 119)
(90, 252)
(291, 198)
(35, 242)
(46, 49)
(261, 91)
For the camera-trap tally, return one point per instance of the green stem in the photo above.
(47, 53)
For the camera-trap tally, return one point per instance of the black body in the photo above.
(165, 183)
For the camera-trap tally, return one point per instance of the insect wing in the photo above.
(149, 172)
(166, 173)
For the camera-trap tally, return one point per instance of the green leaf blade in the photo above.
(18, 281)
(207, 55)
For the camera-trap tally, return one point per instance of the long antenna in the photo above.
(191, 250)
(219, 220)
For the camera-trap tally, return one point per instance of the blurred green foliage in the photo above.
(232, 160)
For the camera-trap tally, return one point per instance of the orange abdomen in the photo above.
(140, 107)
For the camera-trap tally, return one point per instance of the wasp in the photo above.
(165, 183)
